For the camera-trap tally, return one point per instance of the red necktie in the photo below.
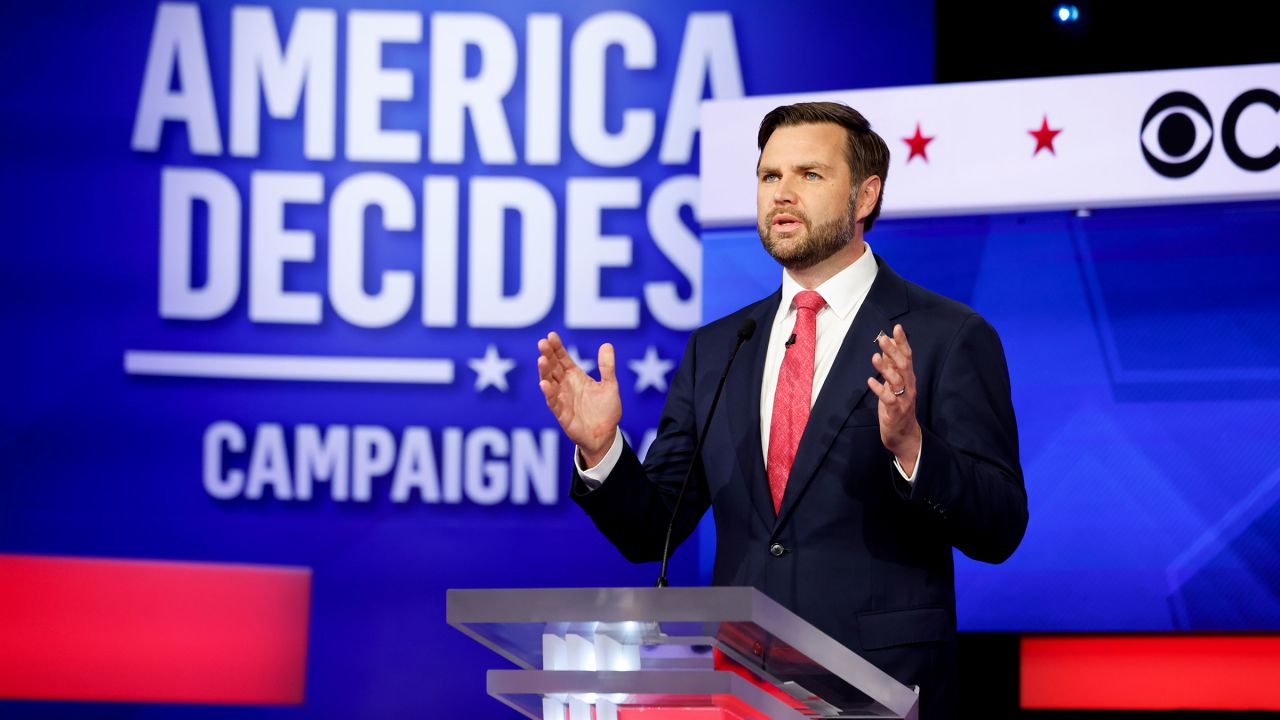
(795, 392)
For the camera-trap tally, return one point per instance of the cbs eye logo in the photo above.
(1177, 133)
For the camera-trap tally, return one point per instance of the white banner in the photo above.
(1126, 139)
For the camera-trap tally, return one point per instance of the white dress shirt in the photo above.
(844, 293)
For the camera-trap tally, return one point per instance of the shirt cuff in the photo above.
(595, 477)
(911, 480)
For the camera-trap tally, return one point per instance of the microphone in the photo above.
(790, 341)
(745, 331)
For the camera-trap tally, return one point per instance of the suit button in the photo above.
(777, 550)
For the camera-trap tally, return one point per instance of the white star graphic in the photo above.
(588, 366)
(651, 371)
(491, 370)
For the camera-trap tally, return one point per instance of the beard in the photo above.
(819, 243)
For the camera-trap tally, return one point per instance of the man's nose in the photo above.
(784, 192)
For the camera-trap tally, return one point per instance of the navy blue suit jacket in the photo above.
(865, 557)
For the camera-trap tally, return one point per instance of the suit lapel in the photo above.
(846, 383)
(742, 397)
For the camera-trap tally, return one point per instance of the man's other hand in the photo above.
(899, 429)
(587, 410)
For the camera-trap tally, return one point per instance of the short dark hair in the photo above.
(866, 151)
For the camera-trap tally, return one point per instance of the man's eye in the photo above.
(769, 178)
(811, 175)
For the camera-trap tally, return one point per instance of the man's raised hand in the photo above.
(899, 429)
(588, 411)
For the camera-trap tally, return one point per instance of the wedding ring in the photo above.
(900, 391)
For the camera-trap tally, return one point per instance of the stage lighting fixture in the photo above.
(1067, 13)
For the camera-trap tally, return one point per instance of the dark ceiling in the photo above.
(1021, 38)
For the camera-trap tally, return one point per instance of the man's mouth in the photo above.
(783, 222)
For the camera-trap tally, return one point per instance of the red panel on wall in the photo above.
(145, 631)
(1151, 672)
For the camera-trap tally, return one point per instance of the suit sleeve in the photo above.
(633, 506)
(971, 486)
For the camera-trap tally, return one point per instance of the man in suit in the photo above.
(849, 458)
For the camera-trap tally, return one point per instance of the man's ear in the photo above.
(868, 195)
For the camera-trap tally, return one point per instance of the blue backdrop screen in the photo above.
(1143, 348)
(439, 183)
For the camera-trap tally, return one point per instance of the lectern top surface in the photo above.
(671, 629)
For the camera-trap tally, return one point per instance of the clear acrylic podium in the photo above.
(661, 653)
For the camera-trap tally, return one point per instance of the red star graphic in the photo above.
(917, 144)
(1044, 137)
